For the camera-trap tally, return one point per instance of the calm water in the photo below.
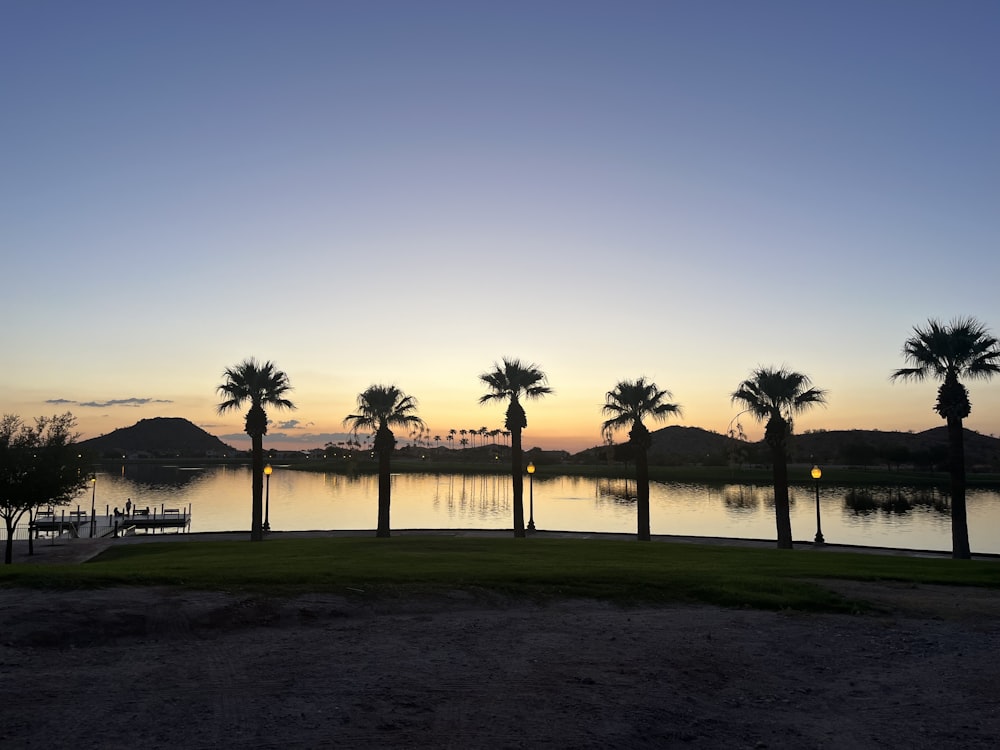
(219, 498)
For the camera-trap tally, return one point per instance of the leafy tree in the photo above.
(963, 348)
(627, 405)
(39, 465)
(380, 408)
(859, 453)
(259, 385)
(896, 454)
(776, 395)
(511, 380)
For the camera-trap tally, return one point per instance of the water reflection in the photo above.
(741, 498)
(220, 501)
(897, 500)
(617, 490)
(155, 475)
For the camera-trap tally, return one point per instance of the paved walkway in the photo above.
(67, 551)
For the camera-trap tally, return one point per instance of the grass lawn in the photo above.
(627, 572)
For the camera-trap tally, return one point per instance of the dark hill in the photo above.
(159, 437)
(675, 445)
(872, 447)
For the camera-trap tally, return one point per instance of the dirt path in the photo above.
(169, 668)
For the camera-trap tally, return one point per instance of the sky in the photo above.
(407, 192)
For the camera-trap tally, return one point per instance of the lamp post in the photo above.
(816, 474)
(267, 497)
(93, 498)
(531, 496)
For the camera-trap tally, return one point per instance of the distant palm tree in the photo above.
(464, 441)
(511, 381)
(776, 395)
(380, 408)
(962, 348)
(627, 405)
(259, 385)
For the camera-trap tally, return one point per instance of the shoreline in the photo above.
(70, 551)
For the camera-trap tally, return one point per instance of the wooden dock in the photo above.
(79, 524)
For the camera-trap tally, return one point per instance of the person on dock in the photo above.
(128, 506)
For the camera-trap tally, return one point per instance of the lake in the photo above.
(219, 499)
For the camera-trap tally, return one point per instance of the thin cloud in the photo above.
(293, 424)
(132, 402)
(60, 401)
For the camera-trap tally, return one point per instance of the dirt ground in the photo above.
(169, 668)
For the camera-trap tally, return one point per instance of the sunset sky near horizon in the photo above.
(406, 192)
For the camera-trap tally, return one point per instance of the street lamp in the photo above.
(531, 496)
(93, 498)
(816, 474)
(267, 498)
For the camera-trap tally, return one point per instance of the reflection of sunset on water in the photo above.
(301, 500)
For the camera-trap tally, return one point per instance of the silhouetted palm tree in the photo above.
(259, 385)
(776, 395)
(627, 405)
(962, 348)
(511, 381)
(380, 408)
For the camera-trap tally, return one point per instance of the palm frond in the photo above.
(776, 392)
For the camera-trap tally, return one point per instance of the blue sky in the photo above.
(372, 192)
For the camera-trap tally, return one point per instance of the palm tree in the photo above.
(776, 395)
(259, 385)
(627, 405)
(379, 409)
(962, 348)
(513, 381)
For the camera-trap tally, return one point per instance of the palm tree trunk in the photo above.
(960, 549)
(384, 493)
(257, 484)
(642, 493)
(518, 480)
(782, 517)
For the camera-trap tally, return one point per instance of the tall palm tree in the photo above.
(259, 385)
(626, 406)
(511, 381)
(380, 408)
(777, 395)
(962, 348)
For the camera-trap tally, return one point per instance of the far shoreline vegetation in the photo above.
(549, 465)
(678, 454)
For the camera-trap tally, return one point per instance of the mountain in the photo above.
(159, 437)
(869, 447)
(675, 445)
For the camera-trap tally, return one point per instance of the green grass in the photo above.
(626, 572)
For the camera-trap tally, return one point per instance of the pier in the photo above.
(80, 524)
